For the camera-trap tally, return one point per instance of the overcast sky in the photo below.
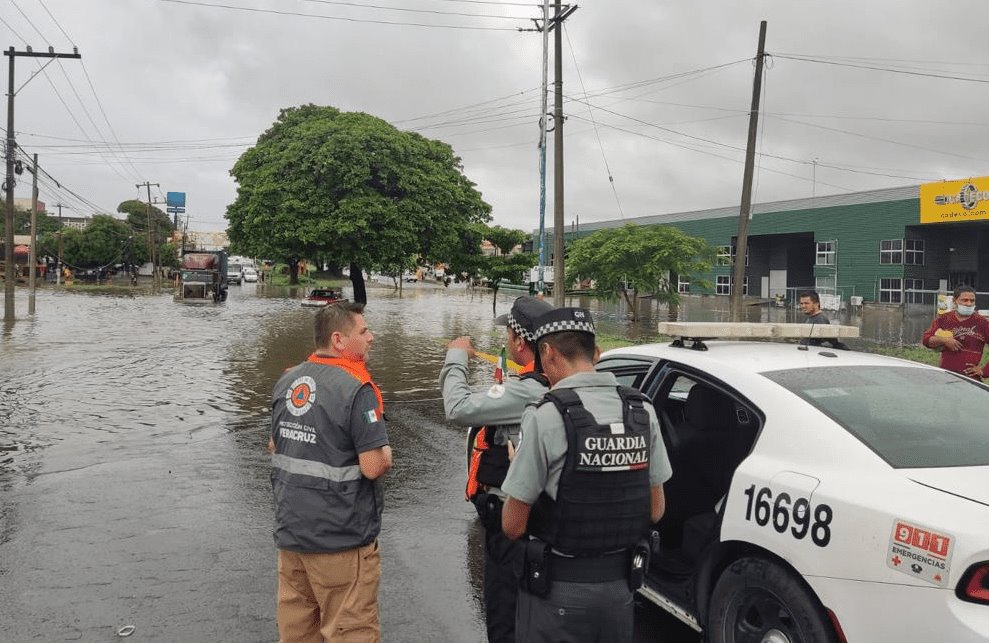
(657, 95)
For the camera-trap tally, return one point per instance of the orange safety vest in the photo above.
(356, 369)
(477, 447)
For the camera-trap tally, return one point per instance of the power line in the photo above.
(340, 18)
(878, 138)
(45, 7)
(886, 69)
(36, 30)
(406, 9)
(597, 134)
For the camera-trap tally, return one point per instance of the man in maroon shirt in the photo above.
(963, 334)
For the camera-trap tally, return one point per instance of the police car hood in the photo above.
(971, 483)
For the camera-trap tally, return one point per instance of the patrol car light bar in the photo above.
(755, 330)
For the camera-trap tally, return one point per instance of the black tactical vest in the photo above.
(494, 461)
(603, 503)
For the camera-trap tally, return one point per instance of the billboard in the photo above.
(950, 201)
(175, 199)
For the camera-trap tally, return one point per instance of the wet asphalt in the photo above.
(134, 484)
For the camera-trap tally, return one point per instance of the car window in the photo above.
(911, 417)
(628, 372)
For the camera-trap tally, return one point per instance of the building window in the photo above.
(726, 256)
(683, 284)
(913, 297)
(734, 251)
(891, 251)
(723, 285)
(824, 284)
(913, 252)
(825, 253)
(891, 291)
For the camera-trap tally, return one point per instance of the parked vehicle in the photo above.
(250, 274)
(203, 277)
(818, 495)
(235, 273)
(322, 296)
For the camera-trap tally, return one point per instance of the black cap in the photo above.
(523, 315)
(559, 320)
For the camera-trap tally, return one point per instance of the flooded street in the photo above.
(134, 481)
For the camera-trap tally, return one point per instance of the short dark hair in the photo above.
(571, 344)
(960, 289)
(333, 318)
(812, 295)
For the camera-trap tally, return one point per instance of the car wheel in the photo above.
(758, 601)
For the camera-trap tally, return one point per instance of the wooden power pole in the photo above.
(9, 181)
(744, 212)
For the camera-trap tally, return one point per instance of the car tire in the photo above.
(756, 599)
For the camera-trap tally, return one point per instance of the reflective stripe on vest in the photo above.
(302, 467)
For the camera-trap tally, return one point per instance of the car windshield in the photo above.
(911, 417)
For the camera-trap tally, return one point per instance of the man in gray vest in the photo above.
(330, 451)
(585, 484)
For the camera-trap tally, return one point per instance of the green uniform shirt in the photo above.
(540, 456)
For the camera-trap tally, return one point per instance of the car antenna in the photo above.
(804, 343)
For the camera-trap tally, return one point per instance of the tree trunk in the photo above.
(628, 302)
(357, 280)
(494, 299)
(293, 271)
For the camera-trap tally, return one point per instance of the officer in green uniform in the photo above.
(494, 416)
(584, 488)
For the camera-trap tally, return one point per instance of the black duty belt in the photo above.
(599, 569)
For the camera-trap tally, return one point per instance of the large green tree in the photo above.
(102, 243)
(352, 189)
(640, 259)
(46, 223)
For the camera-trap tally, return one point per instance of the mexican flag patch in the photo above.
(371, 416)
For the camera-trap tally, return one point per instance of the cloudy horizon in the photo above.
(855, 97)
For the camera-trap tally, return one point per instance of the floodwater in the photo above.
(134, 481)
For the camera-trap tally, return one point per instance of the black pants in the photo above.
(578, 613)
(502, 571)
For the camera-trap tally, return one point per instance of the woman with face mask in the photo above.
(960, 335)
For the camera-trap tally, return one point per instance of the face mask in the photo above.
(965, 311)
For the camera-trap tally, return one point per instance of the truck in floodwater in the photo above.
(204, 277)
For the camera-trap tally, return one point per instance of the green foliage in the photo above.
(137, 218)
(510, 268)
(102, 243)
(645, 256)
(46, 223)
(504, 238)
(350, 188)
(648, 257)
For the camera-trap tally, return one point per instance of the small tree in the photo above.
(510, 268)
(504, 238)
(646, 257)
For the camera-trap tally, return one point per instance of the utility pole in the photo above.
(562, 12)
(744, 213)
(151, 237)
(61, 230)
(33, 255)
(559, 286)
(9, 182)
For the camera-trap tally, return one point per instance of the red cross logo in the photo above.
(897, 560)
(937, 578)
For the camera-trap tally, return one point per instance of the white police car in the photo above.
(818, 495)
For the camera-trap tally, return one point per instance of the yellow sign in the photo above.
(951, 201)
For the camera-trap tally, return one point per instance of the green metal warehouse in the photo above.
(869, 245)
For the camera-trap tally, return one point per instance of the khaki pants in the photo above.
(329, 597)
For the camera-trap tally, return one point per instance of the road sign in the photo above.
(175, 199)
(175, 210)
